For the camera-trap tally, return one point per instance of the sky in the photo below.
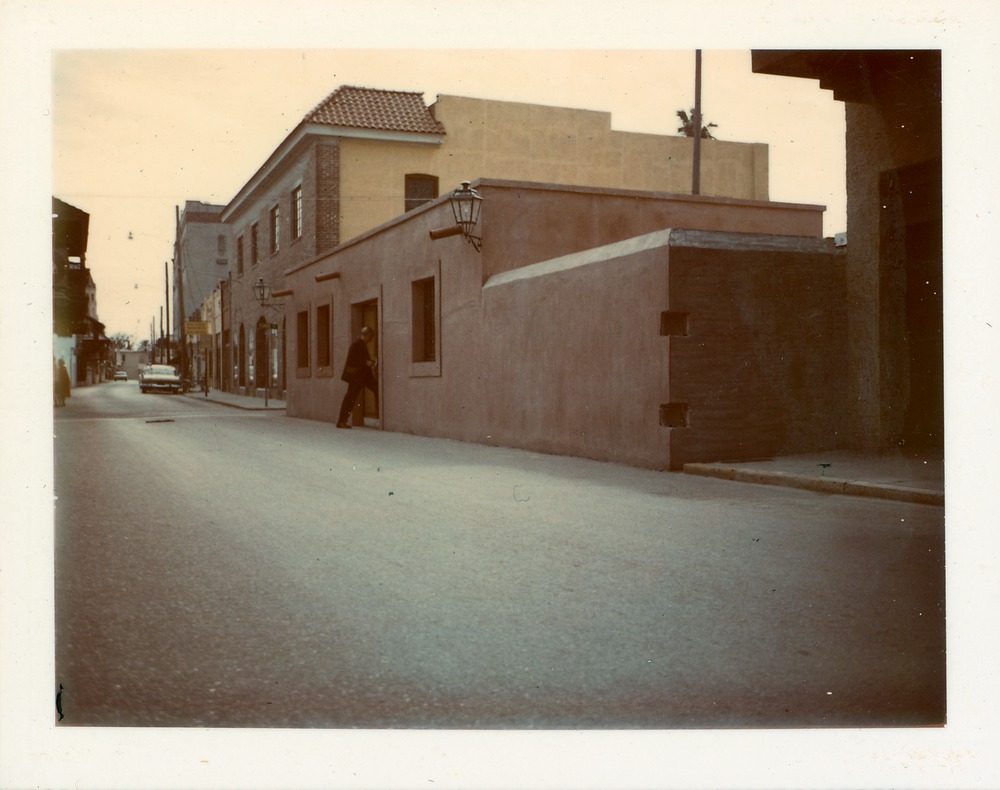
(184, 100)
(135, 133)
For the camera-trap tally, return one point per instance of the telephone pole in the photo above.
(166, 288)
(696, 174)
(179, 278)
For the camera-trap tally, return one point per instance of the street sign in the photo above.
(196, 328)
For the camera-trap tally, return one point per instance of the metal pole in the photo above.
(696, 174)
(179, 279)
(166, 289)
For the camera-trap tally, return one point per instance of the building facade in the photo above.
(78, 337)
(201, 261)
(894, 247)
(363, 157)
(643, 328)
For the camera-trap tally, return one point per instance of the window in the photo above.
(275, 229)
(302, 339)
(297, 212)
(239, 255)
(424, 320)
(254, 254)
(420, 189)
(323, 336)
(221, 245)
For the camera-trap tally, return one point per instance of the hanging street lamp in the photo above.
(465, 206)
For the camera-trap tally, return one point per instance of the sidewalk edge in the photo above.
(828, 485)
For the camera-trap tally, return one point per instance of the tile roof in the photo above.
(371, 108)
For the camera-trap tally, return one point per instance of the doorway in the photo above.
(367, 314)
(262, 366)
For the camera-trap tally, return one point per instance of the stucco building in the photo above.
(201, 260)
(78, 337)
(363, 157)
(640, 327)
(894, 309)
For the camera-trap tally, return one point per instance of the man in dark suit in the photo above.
(359, 373)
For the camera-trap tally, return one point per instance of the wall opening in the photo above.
(673, 323)
(674, 415)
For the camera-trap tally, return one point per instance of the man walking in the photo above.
(359, 373)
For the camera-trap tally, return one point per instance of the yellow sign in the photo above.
(196, 328)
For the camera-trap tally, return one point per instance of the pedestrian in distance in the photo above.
(359, 373)
(62, 384)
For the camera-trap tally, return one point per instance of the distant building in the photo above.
(894, 319)
(78, 335)
(206, 347)
(201, 260)
(363, 157)
(131, 361)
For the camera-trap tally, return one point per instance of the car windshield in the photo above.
(163, 370)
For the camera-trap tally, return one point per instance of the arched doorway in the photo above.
(241, 376)
(262, 367)
(282, 383)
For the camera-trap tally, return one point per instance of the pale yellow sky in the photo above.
(188, 139)
(137, 132)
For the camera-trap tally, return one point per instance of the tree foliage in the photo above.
(687, 126)
(121, 341)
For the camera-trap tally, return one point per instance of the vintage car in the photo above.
(121, 375)
(156, 378)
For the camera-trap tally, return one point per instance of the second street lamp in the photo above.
(261, 291)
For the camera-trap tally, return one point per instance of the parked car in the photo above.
(121, 375)
(159, 378)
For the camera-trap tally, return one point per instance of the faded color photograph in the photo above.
(647, 394)
(543, 398)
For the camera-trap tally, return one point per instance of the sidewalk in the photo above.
(245, 402)
(902, 477)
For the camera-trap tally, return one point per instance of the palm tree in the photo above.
(687, 126)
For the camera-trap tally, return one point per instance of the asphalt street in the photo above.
(217, 567)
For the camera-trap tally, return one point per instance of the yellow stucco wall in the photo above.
(529, 142)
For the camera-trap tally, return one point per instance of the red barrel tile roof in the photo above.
(371, 108)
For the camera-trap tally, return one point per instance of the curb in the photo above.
(231, 405)
(826, 485)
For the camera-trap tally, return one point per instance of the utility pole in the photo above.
(166, 289)
(179, 279)
(696, 174)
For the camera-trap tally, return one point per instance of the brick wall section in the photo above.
(327, 191)
(762, 368)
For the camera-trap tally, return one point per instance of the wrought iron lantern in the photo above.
(465, 204)
(262, 291)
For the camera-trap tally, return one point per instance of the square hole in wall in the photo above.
(674, 415)
(673, 323)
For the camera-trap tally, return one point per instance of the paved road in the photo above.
(225, 568)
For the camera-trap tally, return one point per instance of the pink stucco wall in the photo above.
(577, 365)
(550, 339)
